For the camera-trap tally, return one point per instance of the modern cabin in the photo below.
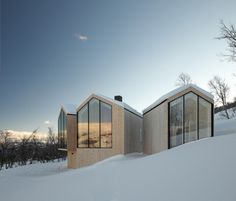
(104, 127)
(183, 115)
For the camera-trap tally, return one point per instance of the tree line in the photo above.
(28, 150)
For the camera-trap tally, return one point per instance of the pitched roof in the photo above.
(69, 108)
(176, 91)
(121, 104)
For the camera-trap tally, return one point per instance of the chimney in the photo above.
(118, 98)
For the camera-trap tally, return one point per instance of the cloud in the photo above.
(47, 122)
(81, 37)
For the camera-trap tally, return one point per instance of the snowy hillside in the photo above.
(200, 170)
(225, 126)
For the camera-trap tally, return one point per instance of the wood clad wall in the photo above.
(133, 133)
(155, 124)
(155, 129)
(88, 156)
(72, 159)
(71, 132)
(71, 141)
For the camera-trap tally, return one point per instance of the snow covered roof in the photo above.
(122, 104)
(176, 91)
(69, 108)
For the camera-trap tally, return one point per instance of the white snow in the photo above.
(221, 115)
(202, 170)
(176, 91)
(225, 126)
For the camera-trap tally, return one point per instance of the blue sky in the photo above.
(133, 48)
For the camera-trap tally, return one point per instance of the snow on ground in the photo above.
(225, 126)
(203, 170)
(221, 115)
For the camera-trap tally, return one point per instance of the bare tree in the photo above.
(5, 142)
(183, 79)
(228, 33)
(221, 91)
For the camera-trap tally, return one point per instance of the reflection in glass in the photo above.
(94, 123)
(190, 117)
(83, 126)
(176, 122)
(62, 130)
(106, 132)
(204, 118)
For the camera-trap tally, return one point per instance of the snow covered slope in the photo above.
(200, 170)
(203, 170)
(225, 126)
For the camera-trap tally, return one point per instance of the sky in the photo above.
(60, 51)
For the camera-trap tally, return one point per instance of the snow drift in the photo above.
(200, 170)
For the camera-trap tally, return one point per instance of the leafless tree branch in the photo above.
(228, 33)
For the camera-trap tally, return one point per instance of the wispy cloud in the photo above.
(47, 122)
(81, 37)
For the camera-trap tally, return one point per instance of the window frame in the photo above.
(62, 130)
(78, 125)
(100, 147)
(182, 119)
(212, 117)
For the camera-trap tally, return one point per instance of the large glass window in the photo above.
(190, 117)
(95, 125)
(176, 122)
(204, 118)
(62, 130)
(106, 119)
(83, 126)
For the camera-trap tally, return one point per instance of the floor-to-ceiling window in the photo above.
(62, 130)
(95, 125)
(83, 126)
(190, 118)
(106, 118)
(204, 118)
(176, 122)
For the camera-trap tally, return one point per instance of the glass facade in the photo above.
(190, 115)
(95, 125)
(106, 118)
(190, 118)
(176, 122)
(62, 130)
(204, 118)
(83, 126)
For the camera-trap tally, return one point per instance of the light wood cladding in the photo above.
(155, 125)
(133, 133)
(71, 133)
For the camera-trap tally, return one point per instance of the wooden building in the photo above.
(104, 127)
(183, 115)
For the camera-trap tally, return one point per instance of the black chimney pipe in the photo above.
(118, 98)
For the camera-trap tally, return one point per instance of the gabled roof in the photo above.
(176, 91)
(69, 108)
(121, 104)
